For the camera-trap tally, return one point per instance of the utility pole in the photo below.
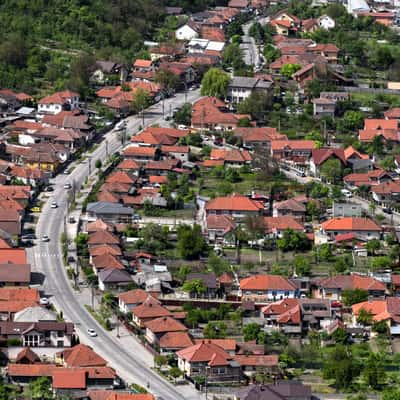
(185, 83)
(106, 148)
(90, 164)
(162, 103)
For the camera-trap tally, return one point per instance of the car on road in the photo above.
(45, 238)
(28, 236)
(49, 189)
(66, 171)
(71, 220)
(387, 211)
(136, 217)
(67, 186)
(44, 301)
(182, 127)
(91, 332)
(35, 209)
(301, 174)
(54, 205)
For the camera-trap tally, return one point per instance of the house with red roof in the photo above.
(275, 227)
(266, 288)
(131, 299)
(147, 311)
(140, 153)
(289, 207)
(172, 342)
(320, 156)
(296, 151)
(232, 158)
(387, 129)
(237, 206)
(371, 178)
(333, 287)
(251, 363)
(208, 358)
(211, 113)
(158, 327)
(386, 194)
(285, 24)
(59, 101)
(144, 69)
(362, 228)
(218, 228)
(258, 137)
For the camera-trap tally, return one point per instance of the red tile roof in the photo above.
(128, 164)
(102, 237)
(350, 282)
(14, 256)
(165, 324)
(175, 340)
(319, 156)
(274, 224)
(82, 356)
(139, 63)
(133, 151)
(292, 144)
(226, 344)
(107, 261)
(99, 250)
(266, 282)
(19, 294)
(368, 135)
(220, 222)
(65, 378)
(120, 177)
(378, 309)
(257, 360)
(150, 309)
(136, 296)
(238, 156)
(391, 187)
(234, 202)
(205, 351)
(350, 224)
(393, 113)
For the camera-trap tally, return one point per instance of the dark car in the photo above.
(387, 210)
(49, 189)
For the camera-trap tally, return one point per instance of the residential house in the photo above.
(158, 327)
(336, 96)
(289, 207)
(333, 287)
(304, 75)
(10, 221)
(218, 227)
(15, 274)
(326, 22)
(172, 342)
(167, 51)
(109, 212)
(59, 101)
(392, 113)
(208, 358)
(323, 107)
(240, 88)
(35, 313)
(188, 31)
(266, 288)
(385, 18)
(147, 311)
(371, 178)
(185, 72)
(362, 228)
(80, 355)
(113, 278)
(386, 194)
(387, 310)
(242, 5)
(294, 151)
(275, 227)
(258, 138)
(38, 334)
(180, 153)
(251, 364)
(285, 24)
(140, 153)
(104, 71)
(211, 113)
(320, 156)
(357, 161)
(144, 69)
(131, 299)
(236, 206)
(208, 280)
(279, 390)
(327, 50)
(387, 129)
(232, 158)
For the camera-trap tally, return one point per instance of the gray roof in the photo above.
(249, 83)
(209, 279)
(112, 275)
(103, 207)
(35, 314)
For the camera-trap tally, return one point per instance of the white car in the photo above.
(45, 238)
(91, 332)
(67, 186)
(182, 127)
(44, 301)
(53, 205)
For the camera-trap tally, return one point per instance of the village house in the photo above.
(386, 194)
(113, 279)
(290, 208)
(109, 212)
(208, 358)
(39, 334)
(232, 158)
(15, 274)
(275, 227)
(208, 280)
(333, 287)
(158, 327)
(387, 310)
(131, 299)
(323, 107)
(371, 178)
(266, 288)
(295, 151)
(219, 227)
(104, 71)
(258, 138)
(59, 101)
(147, 311)
(285, 24)
(387, 129)
(236, 206)
(171, 342)
(362, 228)
(188, 31)
(240, 88)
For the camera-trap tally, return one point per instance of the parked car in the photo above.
(45, 238)
(91, 332)
(44, 301)
(67, 186)
(35, 209)
(49, 189)
(54, 205)
(387, 210)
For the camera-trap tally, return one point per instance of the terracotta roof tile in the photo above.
(234, 202)
(350, 224)
(15, 256)
(257, 360)
(283, 223)
(165, 324)
(136, 296)
(175, 340)
(205, 352)
(65, 378)
(350, 282)
(82, 356)
(102, 237)
(266, 282)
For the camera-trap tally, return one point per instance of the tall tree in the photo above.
(215, 83)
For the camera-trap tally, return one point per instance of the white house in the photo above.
(188, 31)
(326, 22)
(58, 102)
(362, 228)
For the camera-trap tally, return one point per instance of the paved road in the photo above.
(132, 362)
(250, 50)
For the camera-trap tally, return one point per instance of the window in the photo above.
(287, 294)
(60, 334)
(60, 343)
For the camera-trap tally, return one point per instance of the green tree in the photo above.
(40, 388)
(215, 330)
(183, 115)
(167, 79)
(141, 101)
(352, 121)
(215, 83)
(217, 265)
(340, 336)
(191, 243)
(194, 286)
(374, 372)
(344, 263)
(302, 265)
(391, 393)
(381, 263)
(251, 331)
(373, 246)
(364, 317)
(98, 164)
(354, 296)
(81, 70)
(341, 366)
(293, 241)
(289, 69)
(332, 170)
(175, 372)
(160, 360)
